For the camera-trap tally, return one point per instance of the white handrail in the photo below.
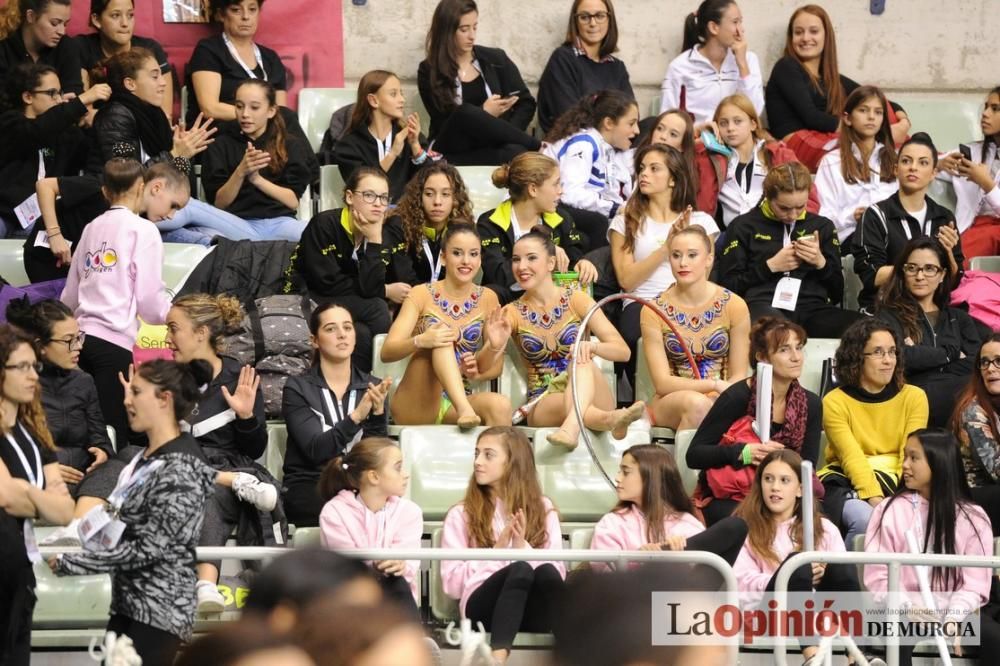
(893, 561)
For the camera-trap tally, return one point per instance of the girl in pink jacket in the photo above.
(365, 508)
(773, 512)
(504, 508)
(934, 503)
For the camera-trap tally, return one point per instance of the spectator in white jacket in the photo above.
(715, 63)
(592, 143)
(861, 170)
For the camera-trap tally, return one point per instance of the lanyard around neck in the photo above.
(35, 475)
(258, 61)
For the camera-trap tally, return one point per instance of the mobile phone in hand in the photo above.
(514, 93)
(965, 150)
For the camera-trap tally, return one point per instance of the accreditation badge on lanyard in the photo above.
(36, 478)
(435, 265)
(786, 293)
(236, 56)
(101, 528)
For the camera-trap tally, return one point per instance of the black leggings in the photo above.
(718, 509)
(155, 646)
(516, 598)
(988, 497)
(725, 538)
(302, 503)
(819, 320)
(471, 136)
(103, 360)
(631, 331)
(397, 589)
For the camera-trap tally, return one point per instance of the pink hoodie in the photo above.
(626, 530)
(345, 522)
(887, 533)
(753, 572)
(115, 275)
(463, 577)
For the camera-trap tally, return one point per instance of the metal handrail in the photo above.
(621, 558)
(894, 561)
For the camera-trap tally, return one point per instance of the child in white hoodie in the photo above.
(116, 275)
(935, 504)
(365, 508)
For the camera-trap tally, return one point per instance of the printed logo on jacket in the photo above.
(101, 261)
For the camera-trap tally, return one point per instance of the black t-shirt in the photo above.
(211, 55)
(474, 92)
(89, 47)
(65, 58)
(33, 451)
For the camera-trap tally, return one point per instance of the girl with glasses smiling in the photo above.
(939, 341)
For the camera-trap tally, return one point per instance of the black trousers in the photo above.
(629, 327)
(516, 598)
(103, 360)
(17, 590)
(988, 497)
(155, 646)
(592, 226)
(820, 320)
(302, 503)
(396, 589)
(471, 136)
(725, 538)
(371, 318)
(837, 578)
(718, 509)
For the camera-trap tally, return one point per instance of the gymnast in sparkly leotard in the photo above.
(445, 328)
(714, 324)
(544, 323)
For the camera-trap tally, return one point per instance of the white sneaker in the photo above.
(210, 600)
(435, 651)
(64, 536)
(252, 490)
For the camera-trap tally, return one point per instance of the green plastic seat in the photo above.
(817, 350)
(179, 261)
(12, 262)
(852, 283)
(479, 183)
(439, 462)
(316, 105)
(277, 444)
(988, 264)
(306, 537)
(689, 477)
(579, 539)
(949, 120)
(331, 187)
(70, 602)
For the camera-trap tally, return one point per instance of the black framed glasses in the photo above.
(881, 353)
(985, 363)
(930, 270)
(24, 366)
(596, 17)
(73, 342)
(370, 197)
(54, 93)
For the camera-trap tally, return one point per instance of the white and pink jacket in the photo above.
(626, 530)
(463, 577)
(753, 572)
(887, 533)
(116, 275)
(345, 522)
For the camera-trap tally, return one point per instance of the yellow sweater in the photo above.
(867, 436)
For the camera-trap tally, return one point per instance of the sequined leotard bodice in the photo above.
(706, 333)
(445, 309)
(545, 341)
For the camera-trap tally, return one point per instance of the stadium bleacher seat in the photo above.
(305, 211)
(179, 260)
(852, 283)
(316, 105)
(331, 187)
(306, 537)
(817, 350)
(75, 602)
(988, 264)
(12, 262)
(689, 477)
(479, 182)
(277, 444)
(949, 120)
(439, 462)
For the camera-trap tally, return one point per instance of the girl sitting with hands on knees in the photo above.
(454, 334)
(714, 325)
(380, 134)
(504, 508)
(545, 323)
(341, 257)
(532, 179)
(722, 442)
(976, 179)
(774, 513)
(933, 511)
(365, 507)
(328, 410)
(655, 513)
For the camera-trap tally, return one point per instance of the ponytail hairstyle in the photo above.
(123, 65)
(174, 179)
(828, 81)
(520, 490)
(761, 526)
(182, 380)
(684, 192)
(120, 176)
(974, 392)
(24, 78)
(590, 112)
(852, 169)
(743, 103)
(442, 56)
(15, 13)
(609, 44)
(316, 320)
(895, 297)
(31, 414)
(276, 133)
(360, 174)
(696, 23)
(526, 169)
(787, 178)
(346, 470)
(948, 497)
(993, 138)
(370, 84)
(662, 490)
(411, 205)
(221, 314)
(543, 235)
(36, 319)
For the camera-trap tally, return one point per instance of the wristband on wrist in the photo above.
(53, 234)
(747, 455)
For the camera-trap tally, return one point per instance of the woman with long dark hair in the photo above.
(479, 105)
(939, 341)
(35, 31)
